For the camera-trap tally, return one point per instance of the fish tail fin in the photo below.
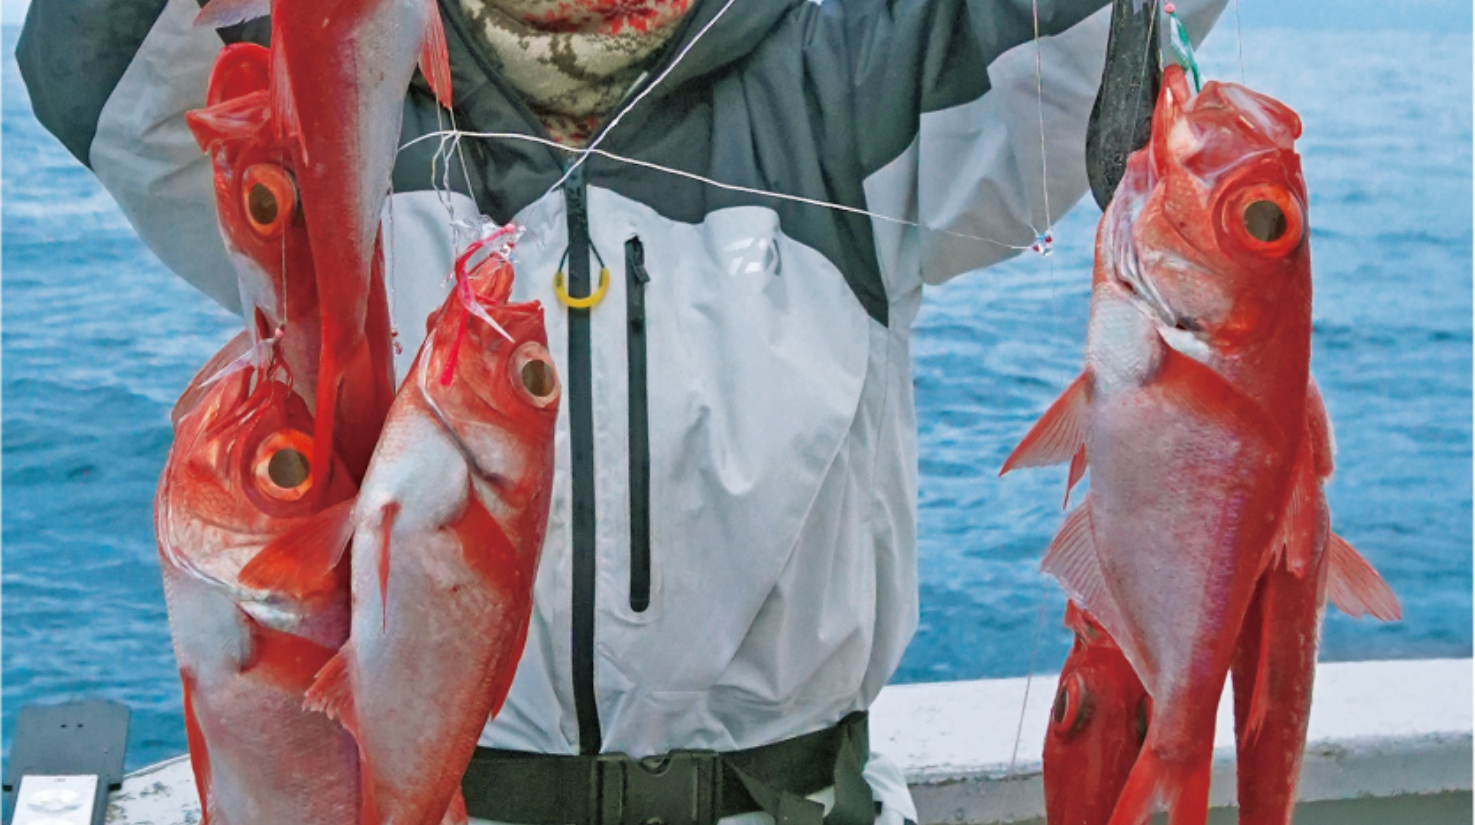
(1355, 587)
(435, 61)
(1059, 434)
(1182, 788)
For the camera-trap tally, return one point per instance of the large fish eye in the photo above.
(1072, 706)
(269, 197)
(283, 465)
(533, 375)
(1265, 219)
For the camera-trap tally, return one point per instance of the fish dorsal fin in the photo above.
(302, 561)
(1355, 587)
(221, 13)
(1059, 434)
(1073, 561)
(435, 61)
(283, 659)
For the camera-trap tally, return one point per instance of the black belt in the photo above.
(679, 788)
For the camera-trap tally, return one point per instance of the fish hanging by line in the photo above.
(447, 533)
(339, 73)
(1190, 413)
(258, 600)
(1097, 725)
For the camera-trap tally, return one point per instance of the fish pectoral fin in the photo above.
(284, 659)
(221, 13)
(1202, 392)
(435, 61)
(304, 560)
(331, 692)
(1059, 435)
(1305, 524)
(1355, 587)
(1073, 561)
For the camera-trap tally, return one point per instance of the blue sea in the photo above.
(99, 339)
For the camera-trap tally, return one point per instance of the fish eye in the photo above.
(533, 374)
(269, 197)
(1265, 219)
(1071, 708)
(283, 466)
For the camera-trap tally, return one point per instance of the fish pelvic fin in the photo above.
(435, 61)
(284, 659)
(221, 13)
(304, 560)
(199, 754)
(1073, 561)
(1059, 435)
(1182, 788)
(1355, 587)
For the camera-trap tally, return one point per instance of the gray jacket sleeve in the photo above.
(949, 105)
(112, 80)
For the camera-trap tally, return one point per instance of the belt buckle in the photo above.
(678, 788)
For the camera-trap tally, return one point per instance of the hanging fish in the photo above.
(258, 601)
(1097, 725)
(447, 533)
(339, 73)
(1190, 413)
(256, 171)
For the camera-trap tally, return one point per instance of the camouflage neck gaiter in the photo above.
(573, 60)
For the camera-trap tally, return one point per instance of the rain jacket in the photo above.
(731, 556)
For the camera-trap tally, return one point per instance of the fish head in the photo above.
(1208, 232)
(256, 192)
(239, 473)
(1098, 723)
(487, 371)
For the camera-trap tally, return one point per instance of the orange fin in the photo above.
(221, 13)
(1183, 789)
(386, 527)
(283, 658)
(1260, 687)
(331, 692)
(303, 560)
(1058, 435)
(487, 549)
(1077, 471)
(1198, 389)
(435, 62)
(456, 811)
(1072, 560)
(1305, 524)
(199, 755)
(1355, 587)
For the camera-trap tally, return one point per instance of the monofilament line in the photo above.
(1028, 680)
(730, 187)
(615, 121)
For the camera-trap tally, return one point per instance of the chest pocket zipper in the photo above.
(635, 280)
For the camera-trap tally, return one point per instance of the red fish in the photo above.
(235, 500)
(338, 78)
(1191, 411)
(1097, 726)
(261, 218)
(1276, 660)
(447, 533)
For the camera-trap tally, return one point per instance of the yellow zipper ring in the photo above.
(560, 290)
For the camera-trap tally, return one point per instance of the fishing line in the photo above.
(731, 187)
(615, 121)
(1024, 706)
(1240, 41)
(1046, 239)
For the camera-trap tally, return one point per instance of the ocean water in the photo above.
(97, 340)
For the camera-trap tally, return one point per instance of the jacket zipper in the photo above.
(635, 280)
(581, 441)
